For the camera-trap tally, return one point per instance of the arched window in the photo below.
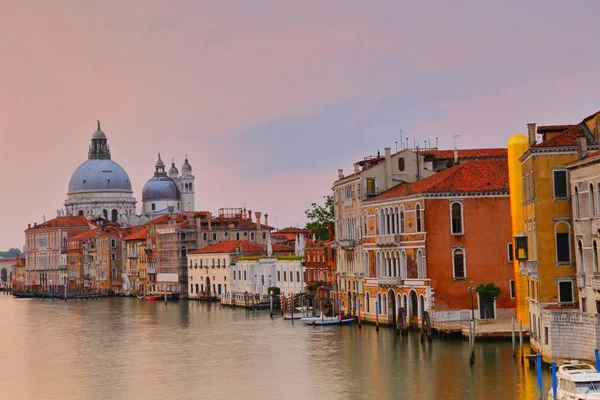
(114, 215)
(365, 223)
(297, 276)
(458, 264)
(80, 213)
(562, 235)
(402, 225)
(105, 213)
(592, 201)
(403, 265)
(113, 257)
(595, 257)
(183, 252)
(377, 222)
(457, 218)
(397, 229)
(580, 255)
(418, 212)
(576, 203)
(367, 302)
(420, 268)
(190, 186)
(114, 273)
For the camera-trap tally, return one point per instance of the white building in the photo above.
(256, 276)
(209, 268)
(168, 190)
(100, 186)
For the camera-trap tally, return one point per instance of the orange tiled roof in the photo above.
(469, 153)
(567, 137)
(62, 222)
(84, 235)
(141, 234)
(230, 246)
(490, 175)
(279, 247)
(553, 128)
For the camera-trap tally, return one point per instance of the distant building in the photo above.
(209, 269)
(255, 276)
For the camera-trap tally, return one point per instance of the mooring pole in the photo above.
(514, 343)
(521, 340)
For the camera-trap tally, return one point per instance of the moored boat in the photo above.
(348, 321)
(312, 320)
(576, 381)
(141, 296)
(152, 298)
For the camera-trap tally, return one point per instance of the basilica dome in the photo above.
(99, 176)
(160, 186)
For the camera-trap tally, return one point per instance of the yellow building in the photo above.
(545, 247)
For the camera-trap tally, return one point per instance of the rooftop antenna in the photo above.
(455, 139)
(407, 143)
(436, 142)
(401, 139)
(396, 146)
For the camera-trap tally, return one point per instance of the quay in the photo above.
(490, 329)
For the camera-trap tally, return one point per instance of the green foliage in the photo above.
(11, 253)
(319, 217)
(289, 258)
(487, 293)
(248, 258)
(312, 286)
(276, 291)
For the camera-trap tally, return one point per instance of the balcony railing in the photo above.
(132, 255)
(389, 281)
(387, 240)
(596, 283)
(151, 269)
(347, 244)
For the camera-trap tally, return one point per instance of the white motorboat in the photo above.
(576, 381)
(321, 318)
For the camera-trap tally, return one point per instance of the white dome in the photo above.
(99, 176)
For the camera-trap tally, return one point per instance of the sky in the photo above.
(269, 98)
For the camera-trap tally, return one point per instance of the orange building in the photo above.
(428, 241)
(320, 264)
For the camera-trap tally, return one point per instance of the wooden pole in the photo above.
(521, 341)
(514, 344)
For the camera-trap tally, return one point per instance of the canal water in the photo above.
(124, 348)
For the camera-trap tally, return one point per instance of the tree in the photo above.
(319, 217)
(11, 253)
(487, 293)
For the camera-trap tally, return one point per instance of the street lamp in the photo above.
(472, 292)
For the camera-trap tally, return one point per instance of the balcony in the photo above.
(132, 255)
(532, 269)
(389, 281)
(133, 272)
(151, 269)
(596, 283)
(580, 281)
(387, 240)
(347, 244)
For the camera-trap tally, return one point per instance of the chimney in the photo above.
(330, 231)
(209, 221)
(455, 156)
(250, 215)
(532, 131)
(388, 168)
(28, 226)
(267, 219)
(581, 146)
(356, 168)
(340, 173)
(258, 214)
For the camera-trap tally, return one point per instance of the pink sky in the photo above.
(268, 99)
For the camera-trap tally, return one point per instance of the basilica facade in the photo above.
(101, 187)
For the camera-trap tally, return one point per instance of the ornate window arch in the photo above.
(418, 217)
(562, 242)
(459, 265)
(402, 220)
(456, 218)
(576, 203)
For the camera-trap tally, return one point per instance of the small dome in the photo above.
(99, 176)
(98, 135)
(173, 171)
(160, 187)
(186, 169)
(159, 162)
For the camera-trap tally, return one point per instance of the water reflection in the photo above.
(129, 348)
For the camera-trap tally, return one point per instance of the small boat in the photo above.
(23, 295)
(576, 381)
(348, 321)
(152, 298)
(299, 313)
(141, 296)
(312, 320)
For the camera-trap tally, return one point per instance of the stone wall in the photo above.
(570, 335)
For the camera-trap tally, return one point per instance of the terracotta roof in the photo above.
(84, 235)
(476, 176)
(62, 222)
(292, 230)
(469, 153)
(279, 247)
(553, 128)
(142, 233)
(567, 137)
(180, 217)
(230, 246)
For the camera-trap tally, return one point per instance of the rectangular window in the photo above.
(191, 288)
(371, 187)
(546, 335)
(583, 305)
(214, 236)
(510, 252)
(113, 243)
(205, 236)
(237, 236)
(565, 291)
(264, 235)
(252, 236)
(563, 252)
(512, 289)
(560, 183)
(153, 207)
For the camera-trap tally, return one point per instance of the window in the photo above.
(371, 187)
(592, 201)
(510, 252)
(264, 235)
(576, 203)
(251, 235)
(214, 236)
(583, 305)
(291, 277)
(205, 236)
(278, 276)
(563, 245)
(284, 276)
(418, 212)
(512, 289)
(402, 225)
(565, 291)
(546, 335)
(297, 276)
(197, 288)
(113, 257)
(191, 288)
(595, 258)
(580, 254)
(458, 263)
(153, 207)
(560, 183)
(237, 236)
(457, 218)
(367, 305)
(244, 275)
(401, 165)
(113, 243)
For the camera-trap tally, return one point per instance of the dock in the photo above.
(490, 329)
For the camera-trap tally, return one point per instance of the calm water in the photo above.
(133, 349)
